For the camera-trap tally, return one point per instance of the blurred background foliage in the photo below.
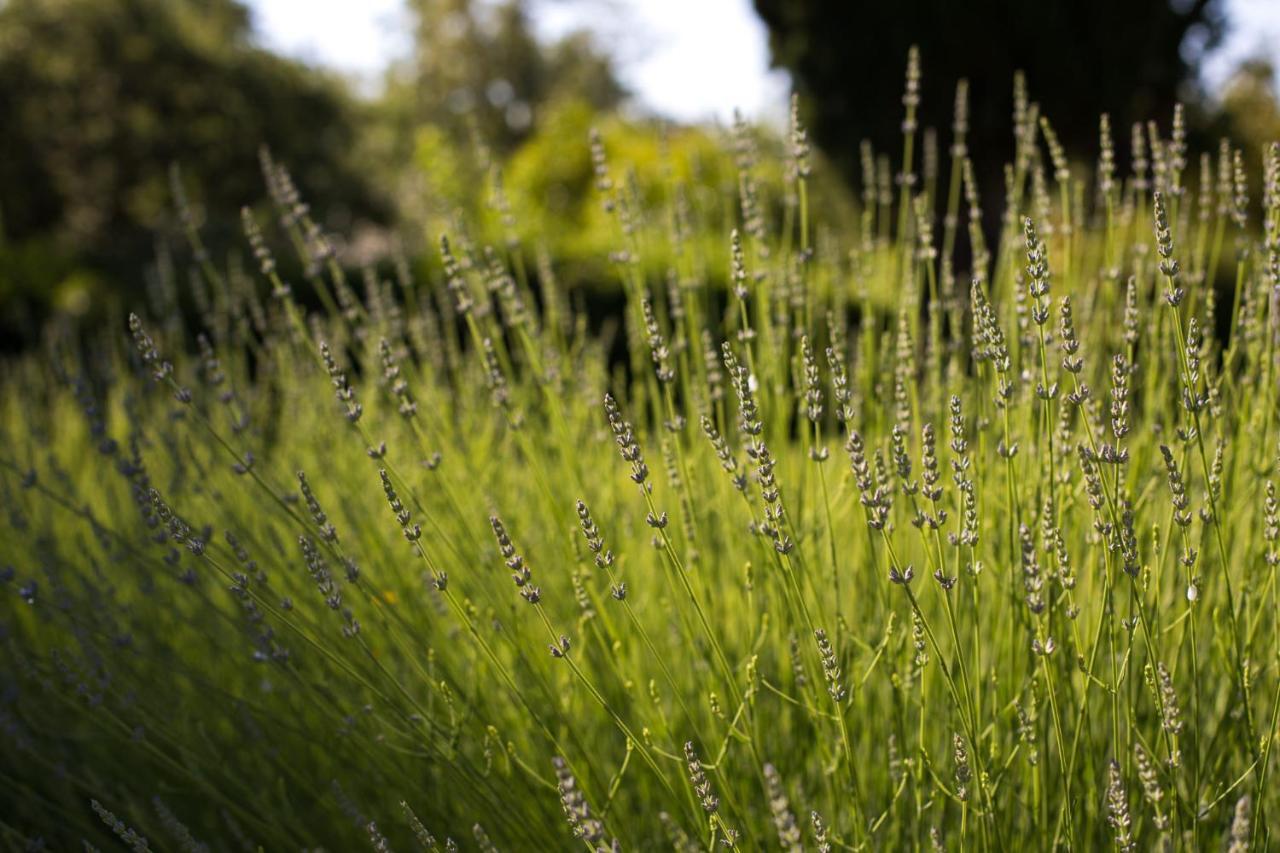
(483, 125)
(101, 96)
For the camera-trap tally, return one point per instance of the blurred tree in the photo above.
(478, 84)
(479, 71)
(1249, 114)
(101, 96)
(1251, 104)
(1081, 58)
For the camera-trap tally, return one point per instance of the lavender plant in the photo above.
(1037, 608)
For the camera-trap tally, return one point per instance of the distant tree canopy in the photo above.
(99, 97)
(1250, 103)
(476, 87)
(1131, 58)
(480, 62)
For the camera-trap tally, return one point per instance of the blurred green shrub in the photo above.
(547, 188)
(101, 96)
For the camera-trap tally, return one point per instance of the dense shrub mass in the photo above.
(912, 538)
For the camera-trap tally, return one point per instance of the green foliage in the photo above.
(100, 99)
(431, 566)
(478, 70)
(101, 96)
(548, 188)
